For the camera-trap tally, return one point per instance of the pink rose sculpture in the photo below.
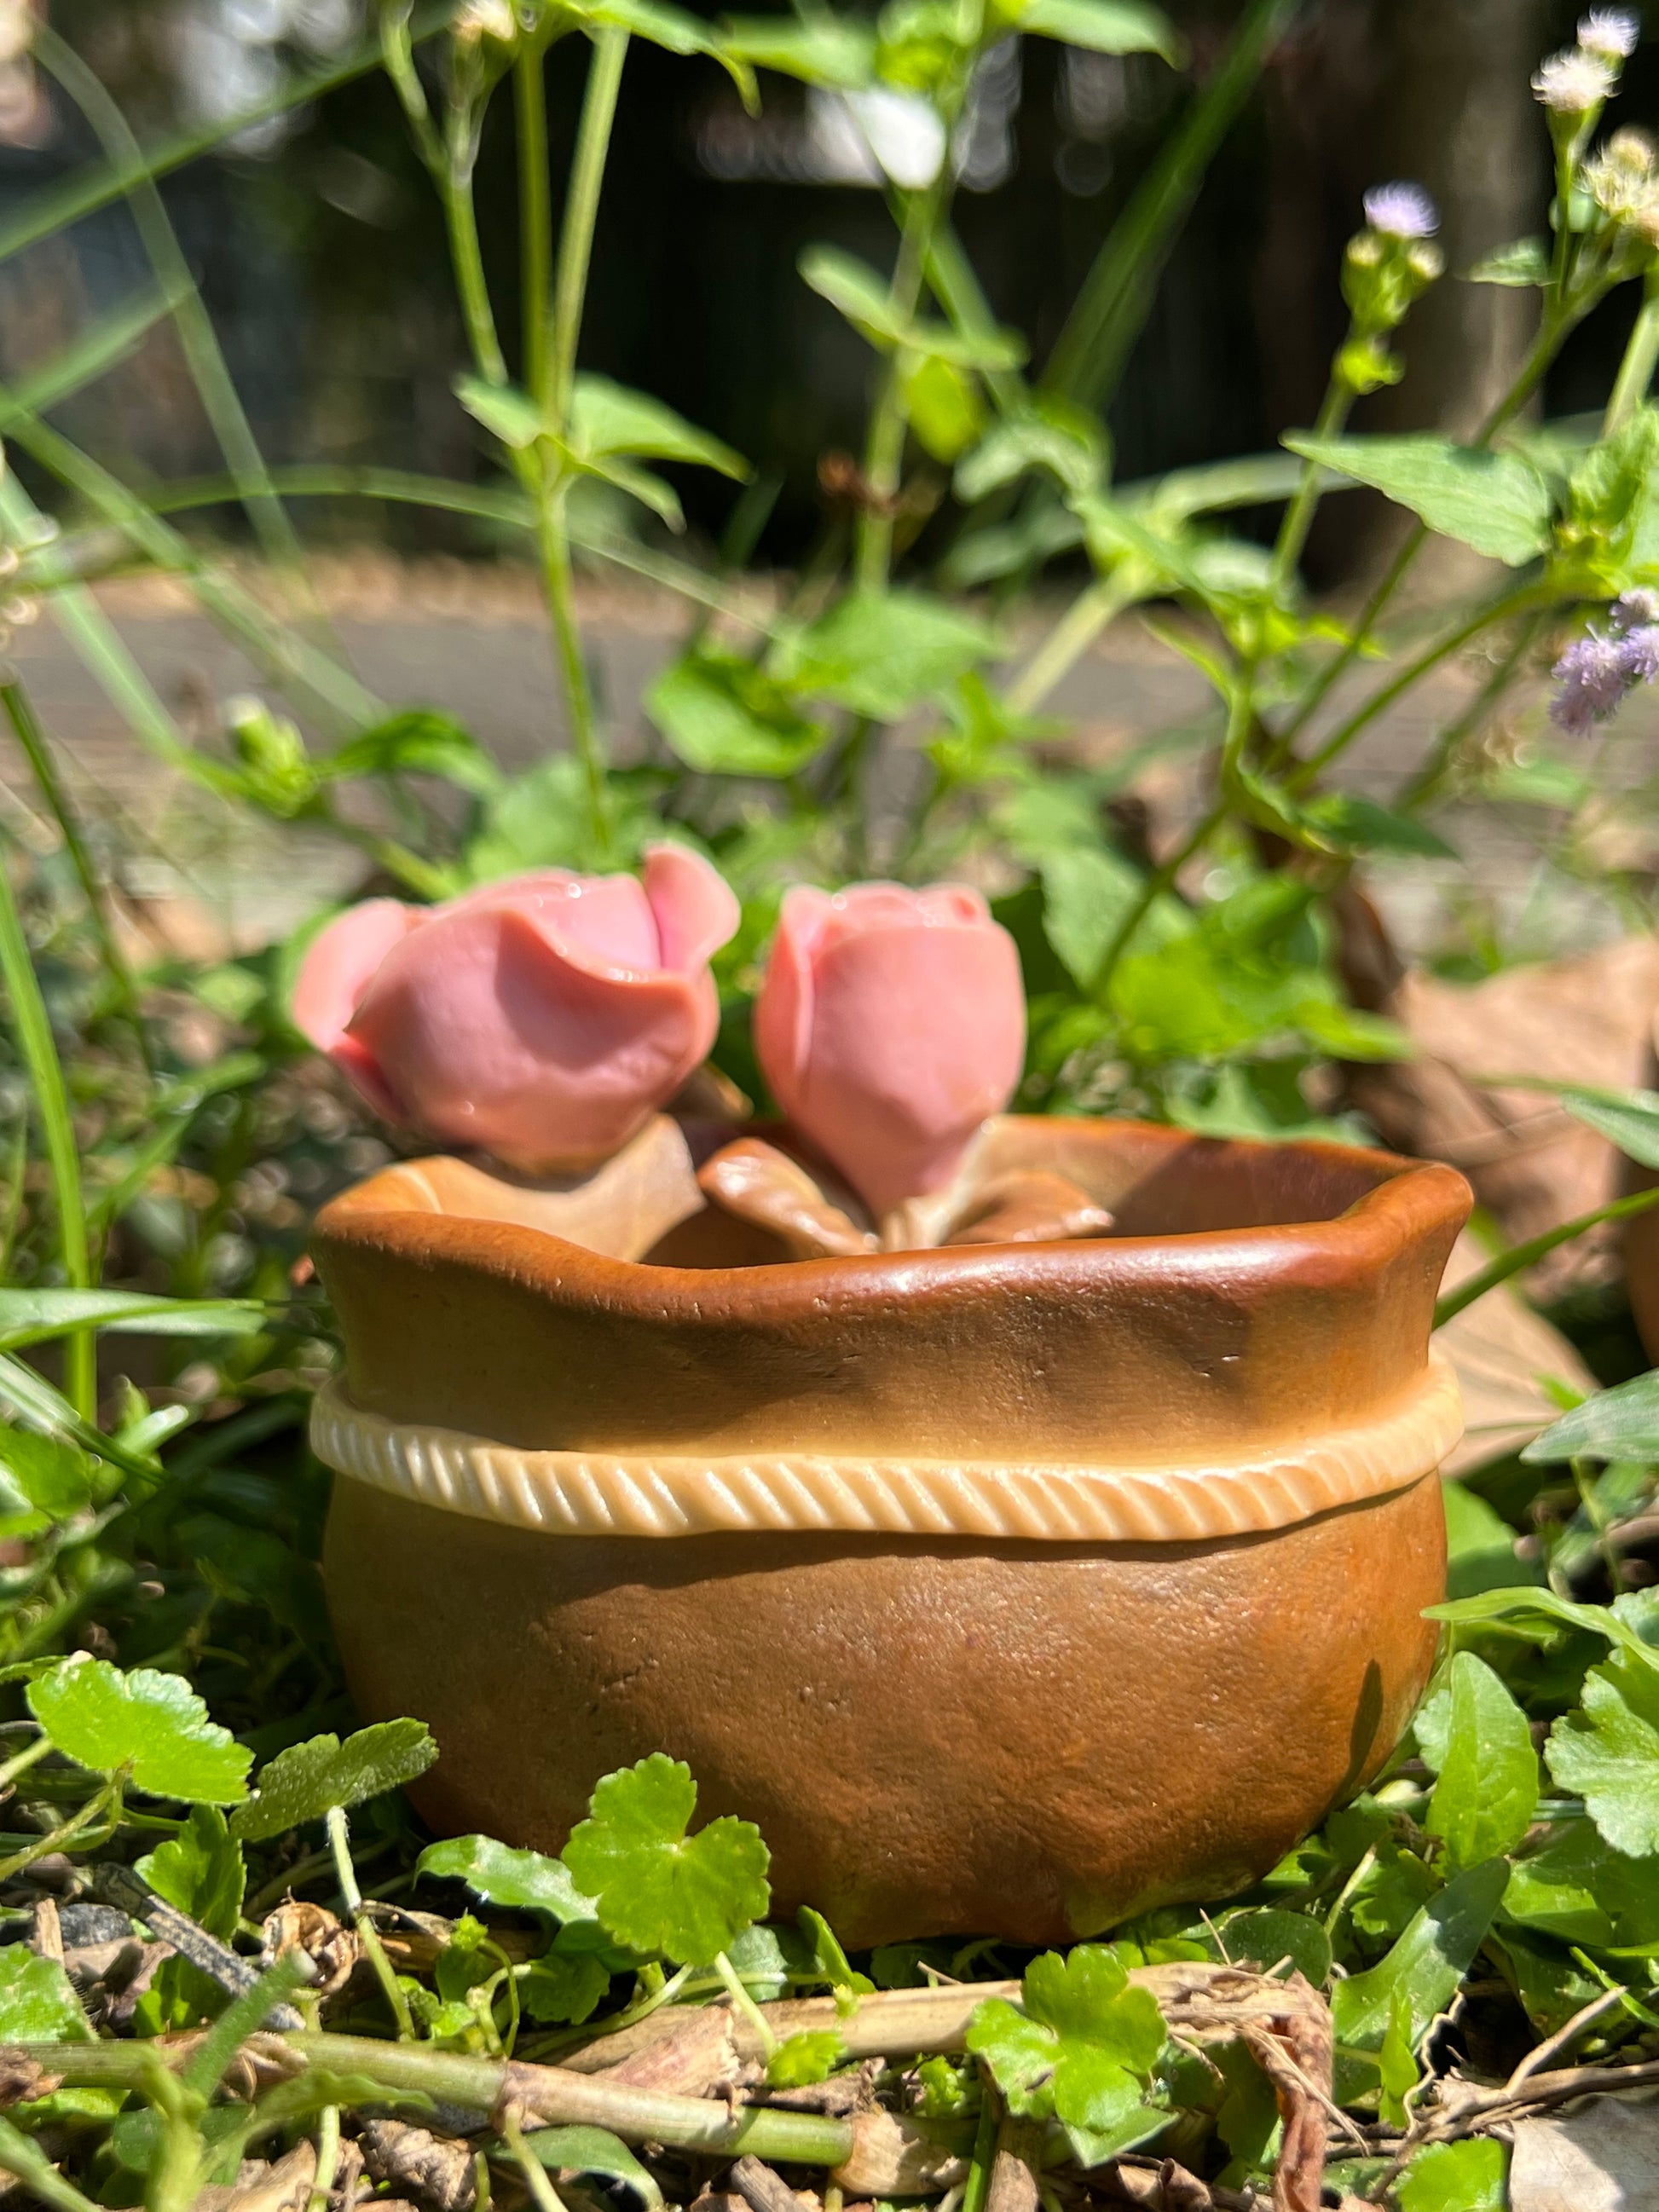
(890, 1025)
(542, 1019)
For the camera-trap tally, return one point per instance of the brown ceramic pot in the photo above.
(1009, 1588)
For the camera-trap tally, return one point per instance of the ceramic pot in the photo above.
(1011, 1588)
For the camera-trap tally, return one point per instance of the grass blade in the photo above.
(54, 209)
(39, 1052)
(197, 339)
(1110, 310)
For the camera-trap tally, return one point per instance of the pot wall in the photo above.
(1025, 1740)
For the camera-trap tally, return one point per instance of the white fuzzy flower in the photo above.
(1574, 82)
(486, 19)
(1401, 210)
(1611, 33)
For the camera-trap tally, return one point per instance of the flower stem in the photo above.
(1096, 605)
(582, 211)
(552, 521)
(466, 256)
(1299, 515)
(32, 1026)
(745, 2003)
(535, 212)
(1516, 601)
(339, 1843)
(884, 451)
(1636, 370)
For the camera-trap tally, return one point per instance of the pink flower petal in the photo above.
(339, 961)
(695, 910)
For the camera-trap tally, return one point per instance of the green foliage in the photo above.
(37, 2003)
(1426, 1964)
(1496, 503)
(810, 2056)
(200, 1870)
(1079, 2047)
(1456, 2177)
(596, 2151)
(1484, 1800)
(305, 1781)
(151, 1727)
(1607, 1752)
(503, 1875)
(658, 1888)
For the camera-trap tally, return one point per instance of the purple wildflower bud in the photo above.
(1611, 33)
(1641, 649)
(1574, 82)
(1592, 677)
(1635, 610)
(1401, 210)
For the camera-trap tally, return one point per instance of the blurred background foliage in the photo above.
(320, 250)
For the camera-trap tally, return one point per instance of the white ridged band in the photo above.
(578, 1493)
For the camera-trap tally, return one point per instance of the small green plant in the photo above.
(179, 1754)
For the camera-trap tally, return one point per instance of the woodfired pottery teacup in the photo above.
(1011, 1588)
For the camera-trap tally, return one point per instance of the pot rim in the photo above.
(1408, 1200)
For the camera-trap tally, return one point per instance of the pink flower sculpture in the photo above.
(890, 1025)
(542, 1020)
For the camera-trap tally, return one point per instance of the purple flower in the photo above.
(1401, 210)
(1635, 610)
(1597, 670)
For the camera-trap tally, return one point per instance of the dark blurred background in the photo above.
(317, 244)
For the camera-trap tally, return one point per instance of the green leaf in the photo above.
(1522, 263)
(945, 410)
(308, 1779)
(1066, 440)
(1360, 825)
(35, 1316)
(53, 1474)
(723, 716)
(153, 1723)
(594, 2150)
(1264, 1939)
(607, 418)
(828, 1956)
(1103, 27)
(811, 2056)
(883, 654)
(1456, 2177)
(1607, 1752)
(505, 412)
(1428, 1962)
(854, 289)
(639, 483)
(1480, 1546)
(826, 49)
(1079, 2047)
(1618, 1424)
(200, 1870)
(1629, 1119)
(1580, 1890)
(563, 1986)
(422, 741)
(1484, 1801)
(1086, 893)
(37, 2003)
(1496, 503)
(525, 1881)
(659, 1888)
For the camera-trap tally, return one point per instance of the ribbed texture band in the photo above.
(584, 1493)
